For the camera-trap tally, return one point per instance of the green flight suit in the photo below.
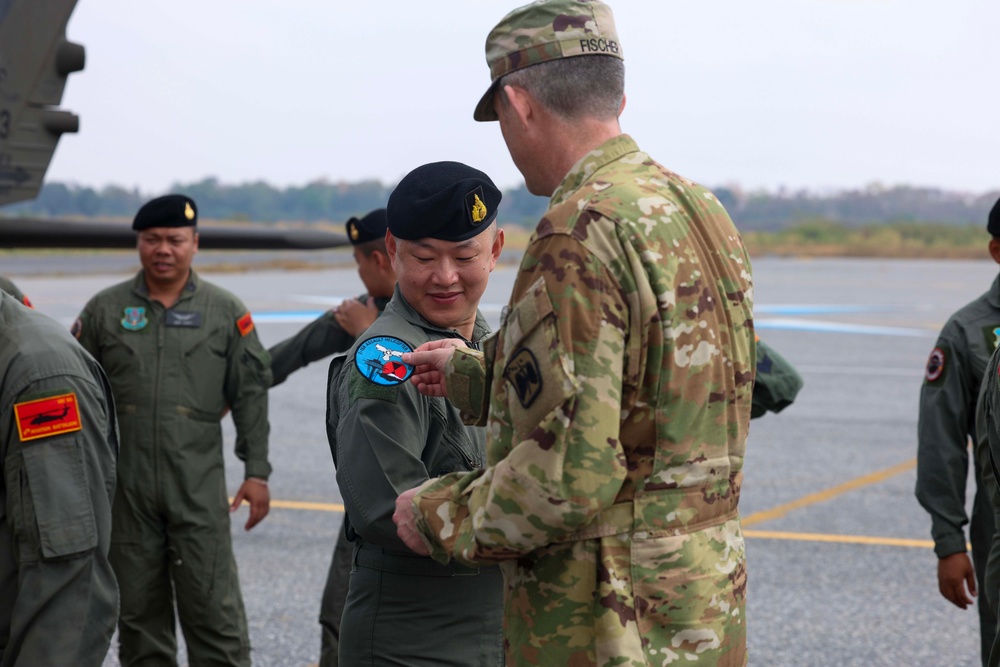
(58, 596)
(174, 371)
(946, 421)
(986, 449)
(403, 608)
(776, 382)
(321, 338)
(7, 285)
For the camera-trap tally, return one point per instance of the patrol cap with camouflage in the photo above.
(166, 211)
(993, 222)
(449, 201)
(369, 228)
(542, 31)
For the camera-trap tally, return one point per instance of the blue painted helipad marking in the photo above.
(790, 324)
(817, 309)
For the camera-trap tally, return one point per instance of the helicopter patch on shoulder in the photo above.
(45, 417)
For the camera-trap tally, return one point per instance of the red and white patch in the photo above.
(935, 364)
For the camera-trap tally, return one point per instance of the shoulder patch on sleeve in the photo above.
(379, 360)
(936, 364)
(45, 417)
(991, 336)
(245, 324)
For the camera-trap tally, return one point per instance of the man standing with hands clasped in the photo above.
(617, 391)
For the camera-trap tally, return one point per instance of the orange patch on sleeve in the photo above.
(245, 324)
(46, 417)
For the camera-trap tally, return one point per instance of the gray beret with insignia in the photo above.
(369, 228)
(166, 211)
(449, 201)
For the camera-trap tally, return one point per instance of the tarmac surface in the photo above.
(841, 567)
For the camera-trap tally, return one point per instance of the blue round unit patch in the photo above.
(379, 360)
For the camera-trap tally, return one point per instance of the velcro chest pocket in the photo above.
(537, 371)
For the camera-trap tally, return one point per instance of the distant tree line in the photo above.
(322, 201)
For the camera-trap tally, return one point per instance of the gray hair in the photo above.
(574, 88)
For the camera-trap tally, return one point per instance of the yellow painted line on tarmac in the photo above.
(821, 496)
(299, 505)
(302, 505)
(838, 539)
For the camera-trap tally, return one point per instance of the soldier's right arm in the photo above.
(84, 329)
(63, 599)
(942, 448)
(320, 338)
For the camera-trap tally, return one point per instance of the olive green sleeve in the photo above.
(63, 600)
(318, 339)
(946, 399)
(85, 330)
(248, 377)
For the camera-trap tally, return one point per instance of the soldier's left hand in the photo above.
(255, 492)
(354, 316)
(406, 524)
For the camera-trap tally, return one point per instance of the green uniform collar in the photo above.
(139, 285)
(611, 150)
(993, 296)
(399, 305)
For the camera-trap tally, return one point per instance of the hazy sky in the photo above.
(818, 94)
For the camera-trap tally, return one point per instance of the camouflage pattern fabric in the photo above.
(619, 392)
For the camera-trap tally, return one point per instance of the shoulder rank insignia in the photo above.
(379, 360)
(245, 324)
(46, 417)
(135, 318)
(935, 364)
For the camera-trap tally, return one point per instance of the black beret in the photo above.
(369, 228)
(449, 201)
(166, 211)
(993, 222)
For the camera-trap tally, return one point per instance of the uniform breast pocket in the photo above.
(203, 356)
(537, 371)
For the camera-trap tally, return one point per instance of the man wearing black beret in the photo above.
(948, 396)
(179, 350)
(334, 331)
(386, 437)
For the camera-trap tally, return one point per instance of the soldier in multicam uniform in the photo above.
(947, 407)
(617, 391)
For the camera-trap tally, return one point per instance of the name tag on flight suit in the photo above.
(176, 318)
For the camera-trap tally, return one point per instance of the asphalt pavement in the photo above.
(841, 570)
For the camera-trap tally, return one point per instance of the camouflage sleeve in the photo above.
(320, 338)
(468, 382)
(557, 400)
(248, 377)
(943, 441)
(63, 599)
